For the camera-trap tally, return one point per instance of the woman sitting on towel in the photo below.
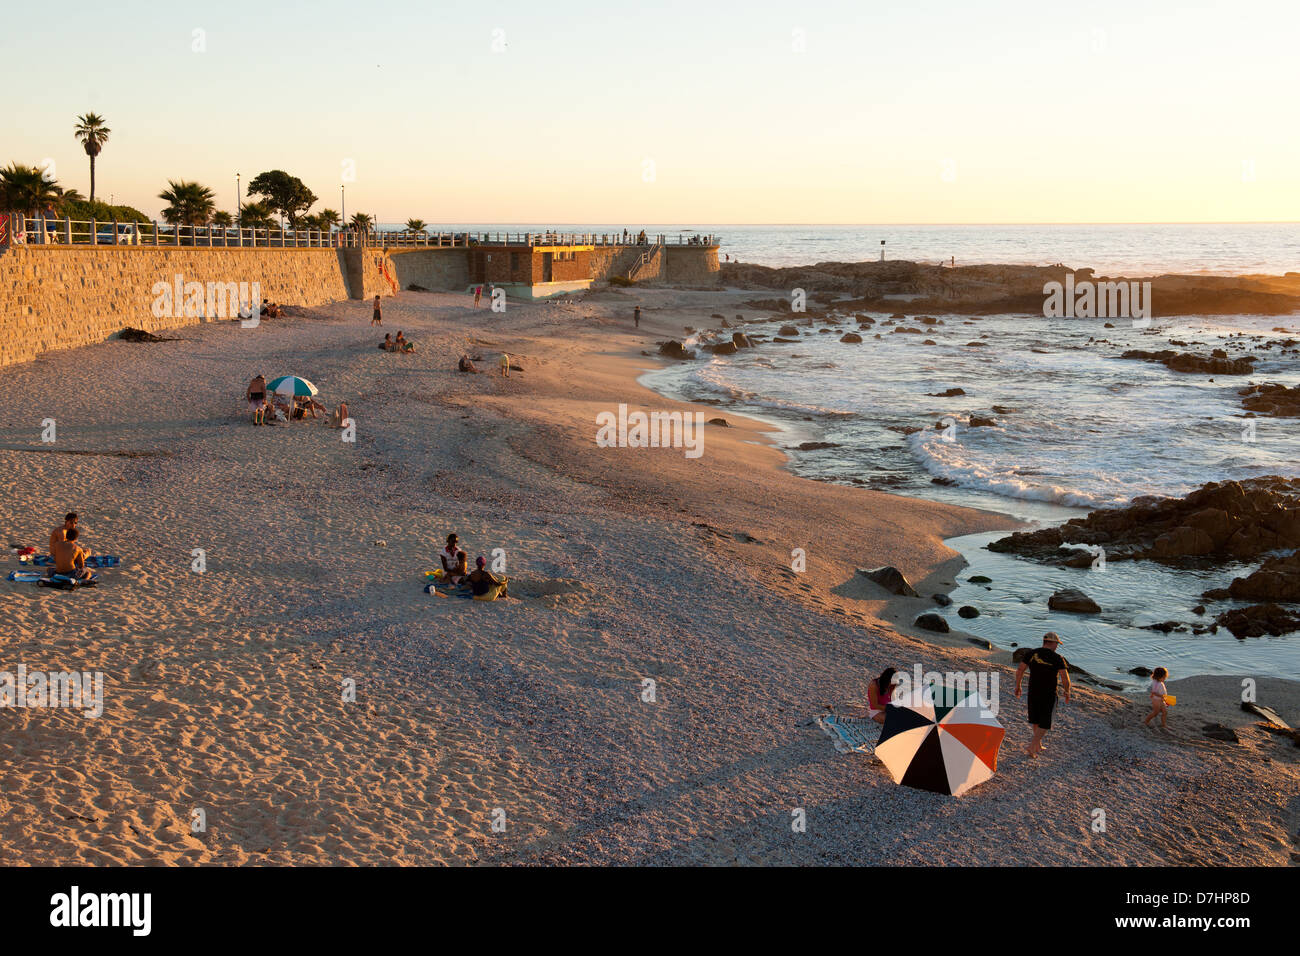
(486, 585)
(879, 692)
(455, 562)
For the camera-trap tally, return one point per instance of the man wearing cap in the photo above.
(1044, 665)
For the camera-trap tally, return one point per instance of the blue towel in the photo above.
(94, 561)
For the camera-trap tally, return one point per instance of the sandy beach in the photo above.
(224, 689)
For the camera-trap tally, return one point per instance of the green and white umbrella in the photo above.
(292, 385)
(940, 738)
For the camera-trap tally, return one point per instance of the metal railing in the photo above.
(18, 229)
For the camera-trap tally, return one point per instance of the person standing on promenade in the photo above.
(378, 317)
(1045, 668)
(636, 316)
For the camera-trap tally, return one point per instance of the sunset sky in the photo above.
(925, 111)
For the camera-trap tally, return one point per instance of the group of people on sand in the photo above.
(399, 344)
(262, 403)
(69, 556)
(1046, 669)
(482, 583)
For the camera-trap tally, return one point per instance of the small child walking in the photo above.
(1157, 694)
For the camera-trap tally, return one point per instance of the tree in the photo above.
(25, 189)
(285, 194)
(328, 218)
(361, 221)
(222, 218)
(92, 132)
(256, 215)
(415, 225)
(188, 204)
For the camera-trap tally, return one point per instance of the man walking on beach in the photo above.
(378, 317)
(636, 316)
(1044, 665)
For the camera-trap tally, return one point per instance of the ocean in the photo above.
(1075, 428)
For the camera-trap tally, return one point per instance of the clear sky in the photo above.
(818, 111)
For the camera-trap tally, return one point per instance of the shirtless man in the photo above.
(61, 532)
(69, 558)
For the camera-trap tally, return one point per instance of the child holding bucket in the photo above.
(1160, 698)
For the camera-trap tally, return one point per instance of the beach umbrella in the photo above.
(291, 386)
(940, 738)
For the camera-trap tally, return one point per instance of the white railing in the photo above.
(16, 229)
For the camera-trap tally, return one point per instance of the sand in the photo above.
(519, 731)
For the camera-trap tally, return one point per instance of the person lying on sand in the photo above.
(486, 585)
(455, 562)
(69, 558)
(879, 693)
(387, 343)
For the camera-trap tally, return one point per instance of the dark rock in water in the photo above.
(1223, 521)
(979, 579)
(1199, 609)
(1277, 579)
(1141, 671)
(979, 421)
(740, 340)
(720, 421)
(1220, 732)
(944, 482)
(1109, 325)
(787, 330)
(898, 315)
(941, 599)
(1272, 399)
(1002, 410)
(891, 579)
(722, 348)
(675, 349)
(785, 341)
(947, 393)
(815, 445)
(851, 337)
(718, 315)
(1258, 620)
(981, 642)
(1195, 364)
(929, 342)
(967, 611)
(1073, 601)
(976, 345)
(932, 622)
(1165, 627)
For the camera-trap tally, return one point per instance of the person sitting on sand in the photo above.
(70, 558)
(387, 343)
(401, 345)
(340, 415)
(466, 365)
(455, 562)
(1045, 667)
(486, 585)
(1157, 693)
(879, 693)
(310, 404)
(61, 532)
(256, 395)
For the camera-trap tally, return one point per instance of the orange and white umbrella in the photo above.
(940, 738)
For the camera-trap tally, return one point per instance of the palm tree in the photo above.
(25, 189)
(222, 218)
(415, 225)
(256, 215)
(93, 134)
(328, 218)
(361, 221)
(188, 204)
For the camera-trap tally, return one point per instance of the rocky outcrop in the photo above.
(1258, 620)
(1217, 363)
(932, 622)
(851, 337)
(674, 349)
(1271, 399)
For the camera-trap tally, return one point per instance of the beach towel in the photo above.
(850, 734)
(28, 576)
(94, 561)
(65, 582)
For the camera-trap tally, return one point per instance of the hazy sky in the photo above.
(919, 111)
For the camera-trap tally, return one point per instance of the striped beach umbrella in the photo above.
(292, 385)
(940, 738)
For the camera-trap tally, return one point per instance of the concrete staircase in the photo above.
(647, 263)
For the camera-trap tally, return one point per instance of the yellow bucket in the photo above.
(1170, 700)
